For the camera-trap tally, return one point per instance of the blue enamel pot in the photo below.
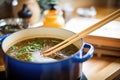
(66, 69)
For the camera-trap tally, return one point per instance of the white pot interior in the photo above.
(38, 32)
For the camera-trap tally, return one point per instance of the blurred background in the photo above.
(7, 6)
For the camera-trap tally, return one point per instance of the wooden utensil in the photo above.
(81, 34)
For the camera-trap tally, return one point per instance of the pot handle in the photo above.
(3, 37)
(88, 55)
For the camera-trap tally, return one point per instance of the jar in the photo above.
(53, 17)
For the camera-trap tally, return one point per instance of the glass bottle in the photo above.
(53, 17)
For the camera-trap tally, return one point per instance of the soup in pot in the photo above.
(30, 50)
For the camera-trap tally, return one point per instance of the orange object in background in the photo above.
(53, 17)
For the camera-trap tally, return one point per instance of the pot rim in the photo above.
(70, 57)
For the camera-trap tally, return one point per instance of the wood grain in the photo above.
(101, 68)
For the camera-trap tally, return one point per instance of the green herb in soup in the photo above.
(30, 50)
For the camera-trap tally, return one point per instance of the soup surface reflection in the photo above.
(30, 50)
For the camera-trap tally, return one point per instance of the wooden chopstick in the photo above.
(81, 34)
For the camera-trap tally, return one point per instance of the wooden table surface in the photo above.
(100, 68)
(104, 11)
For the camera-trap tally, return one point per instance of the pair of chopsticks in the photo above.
(81, 34)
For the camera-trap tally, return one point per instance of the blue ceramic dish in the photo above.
(10, 25)
(65, 69)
